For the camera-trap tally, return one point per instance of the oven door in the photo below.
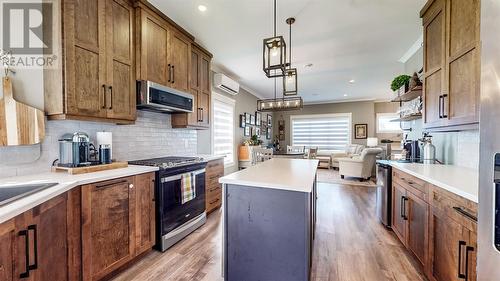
(172, 213)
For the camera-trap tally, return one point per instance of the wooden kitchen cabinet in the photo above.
(418, 225)
(399, 213)
(145, 212)
(96, 80)
(164, 51)
(108, 232)
(200, 88)
(451, 64)
(40, 243)
(118, 223)
(213, 189)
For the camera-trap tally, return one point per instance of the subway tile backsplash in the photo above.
(150, 136)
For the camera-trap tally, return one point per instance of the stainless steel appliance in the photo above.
(74, 150)
(489, 163)
(384, 192)
(159, 98)
(175, 220)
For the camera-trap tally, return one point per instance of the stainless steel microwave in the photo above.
(159, 98)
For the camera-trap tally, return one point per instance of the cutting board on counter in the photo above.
(90, 169)
(20, 124)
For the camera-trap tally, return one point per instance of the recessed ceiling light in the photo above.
(345, 95)
(352, 81)
(202, 8)
(308, 65)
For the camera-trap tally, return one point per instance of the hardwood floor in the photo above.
(350, 245)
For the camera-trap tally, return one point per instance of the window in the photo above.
(325, 131)
(223, 128)
(384, 124)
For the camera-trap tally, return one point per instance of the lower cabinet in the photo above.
(39, 244)
(437, 227)
(117, 223)
(213, 189)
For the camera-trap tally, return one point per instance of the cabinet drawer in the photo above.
(215, 166)
(414, 185)
(459, 209)
(213, 188)
(214, 200)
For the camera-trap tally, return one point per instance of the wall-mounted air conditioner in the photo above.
(226, 84)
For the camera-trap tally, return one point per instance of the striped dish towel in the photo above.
(188, 188)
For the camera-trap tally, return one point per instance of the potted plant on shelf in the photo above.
(401, 84)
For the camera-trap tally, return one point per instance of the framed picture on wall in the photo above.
(269, 120)
(361, 131)
(258, 117)
(268, 133)
(247, 131)
(242, 121)
(257, 131)
(252, 119)
(247, 118)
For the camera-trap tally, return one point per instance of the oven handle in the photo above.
(178, 177)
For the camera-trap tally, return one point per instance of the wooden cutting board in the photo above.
(20, 124)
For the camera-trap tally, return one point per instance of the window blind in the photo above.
(223, 129)
(327, 132)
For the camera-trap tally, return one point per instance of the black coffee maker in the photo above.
(412, 148)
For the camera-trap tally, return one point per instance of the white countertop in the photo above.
(277, 173)
(65, 182)
(459, 180)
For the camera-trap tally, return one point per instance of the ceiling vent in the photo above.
(226, 84)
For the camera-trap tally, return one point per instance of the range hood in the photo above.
(155, 97)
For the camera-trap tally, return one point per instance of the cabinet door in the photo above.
(47, 229)
(418, 214)
(399, 212)
(434, 64)
(145, 212)
(471, 257)
(120, 55)
(194, 118)
(152, 63)
(179, 58)
(107, 226)
(85, 68)
(463, 62)
(7, 254)
(448, 242)
(206, 85)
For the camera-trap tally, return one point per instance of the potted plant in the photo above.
(401, 84)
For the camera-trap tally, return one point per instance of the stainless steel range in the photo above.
(175, 220)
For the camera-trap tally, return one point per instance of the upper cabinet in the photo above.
(97, 78)
(451, 64)
(164, 52)
(200, 87)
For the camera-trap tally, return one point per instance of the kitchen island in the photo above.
(269, 220)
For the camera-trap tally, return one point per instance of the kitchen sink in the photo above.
(9, 193)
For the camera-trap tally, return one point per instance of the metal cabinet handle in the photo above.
(111, 96)
(404, 208)
(202, 118)
(35, 246)
(173, 74)
(440, 106)
(465, 213)
(444, 115)
(104, 96)
(401, 202)
(169, 73)
(26, 273)
(460, 245)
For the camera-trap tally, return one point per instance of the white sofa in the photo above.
(351, 150)
(359, 166)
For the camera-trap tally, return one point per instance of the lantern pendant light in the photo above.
(290, 77)
(274, 53)
(281, 103)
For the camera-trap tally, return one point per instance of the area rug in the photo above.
(333, 176)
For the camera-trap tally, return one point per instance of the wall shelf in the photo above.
(412, 94)
(408, 117)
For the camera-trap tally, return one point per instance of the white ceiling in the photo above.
(343, 39)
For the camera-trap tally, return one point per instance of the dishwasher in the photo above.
(384, 193)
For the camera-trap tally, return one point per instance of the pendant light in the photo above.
(290, 77)
(280, 104)
(274, 53)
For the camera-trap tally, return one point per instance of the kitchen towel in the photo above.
(188, 189)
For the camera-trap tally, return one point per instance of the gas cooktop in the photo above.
(167, 162)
